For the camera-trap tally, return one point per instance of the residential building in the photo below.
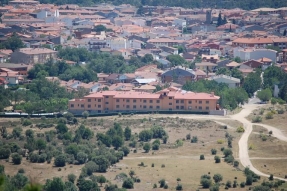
(164, 42)
(179, 75)
(172, 99)
(252, 42)
(230, 81)
(33, 55)
(254, 54)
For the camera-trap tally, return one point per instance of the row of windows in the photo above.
(135, 107)
(150, 101)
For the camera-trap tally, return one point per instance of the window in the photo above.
(128, 100)
(89, 106)
(117, 100)
(107, 102)
(134, 100)
(134, 106)
(157, 107)
(177, 101)
(157, 101)
(89, 100)
(128, 106)
(106, 96)
(181, 101)
(144, 106)
(181, 107)
(144, 101)
(207, 108)
(95, 105)
(189, 102)
(170, 104)
(200, 102)
(82, 105)
(99, 100)
(72, 105)
(200, 108)
(177, 107)
(150, 101)
(150, 106)
(99, 106)
(207, 102)
(117, 106)
(169, 97)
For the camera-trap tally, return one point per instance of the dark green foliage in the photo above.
(87, 185)
(264, 95)
(214, 187)
(145, 135)
(249, 180)
(217, 159)
(128, 133)
(206, 183)
(227, 152)
(201, 157)
(194, 139)
(213, 151)
(72, 177)
(61, 128)
(261, 188)
(178, 187)
(146, 147)
(128, 183)
(4, 153)
(126, 150)
(102, 162)
(16, 158)
(101, 179)
(60, 160)
(13, 43)
(82, 157)
(27, 122)
(217, 178)
(19, 180)
(161, 183)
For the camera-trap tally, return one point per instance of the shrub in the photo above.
(72, 177)
(213, 151)
(257, 119)
(154, 185)
(155, 146)
(188, 136)
(217, 159)
(240, 129)
(128, 183)
(178, 187)
(146, 147)
(165, 186)
(242, 184)
(269, 115)
(163, 166)
(27, 122)
(152, 165)
(217, 178)
(206, 183)
(201, 157)
(161, 183)
(263, 137)
(16, 158)
(249, 180)
(21, 170)
(60, 160)
(194, 139)
(220, 141)
(229, 159)
(4, 153)
(228, 184)
(271, 177)
(280, 111)
(235, 163)
(227, 152)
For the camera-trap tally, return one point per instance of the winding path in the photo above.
(243, 142)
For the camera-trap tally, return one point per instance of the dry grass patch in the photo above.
(275, 167)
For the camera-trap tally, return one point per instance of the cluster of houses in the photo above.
(248, 36)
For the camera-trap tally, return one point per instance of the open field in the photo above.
(276, 167)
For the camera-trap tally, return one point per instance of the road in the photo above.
(243, 142)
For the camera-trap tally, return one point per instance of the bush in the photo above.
(155, 146)
(249, 180)
(269, 115)
(188, 136)
(220, 141)
(228, 184)
(217, 159)
(128, 183)
(178, 187)
(280, 111)
(60, 160)
(229, 159)
(4, 153)
(235, 163)
(217, 178)
(201, 157)
(213, 151)
(146, 147)
(165, 186)
(263, 137)
(206, 183)
(161, 183)
(240, 129)
(194, 139)
(257, 119)
(72, 177)
(242, 184)
(21, 170)
(16, 158)
(27, 122)
(227, 152)
(271, 177)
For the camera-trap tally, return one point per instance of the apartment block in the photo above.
(33, 55)
(172, 99)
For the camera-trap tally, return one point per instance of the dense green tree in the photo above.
(82, 157)
(72, 178)
(60, 160)
(128, 133)
(13, 43)
(285, 33)
(61, 128)
(55, 184)
(146, 147)
(176, 60)
(87, 185)
(16, 158)
(206, 183)
(264, 95)
(219, 19)
(99, 28)
(252, 83)
(145, 135)
(147, 58)
(261, 188)
(101, 179)
(19, 180)
(41, 145)
(117, 142)
(128, 183)
(223, 70)
(217, 178)
(102, 162)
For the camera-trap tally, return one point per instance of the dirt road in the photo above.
(243, 142)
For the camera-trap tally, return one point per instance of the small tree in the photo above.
(205, 182)
(217, 178)
(178, 187)
(161, 183)
(101, 179)
(85, 114)
(213, 151)
(273, 101)
(194, 139)
(217, 159)
(236, 163)
(132, 173)
(128, 133)
(201, 157)
(249, 180)
(188, 136)
(16, 158)
(146, 147)
(72, 178)
(128, 183)
(60, 160)
(271, 177)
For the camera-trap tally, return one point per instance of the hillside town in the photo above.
(185, 45)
